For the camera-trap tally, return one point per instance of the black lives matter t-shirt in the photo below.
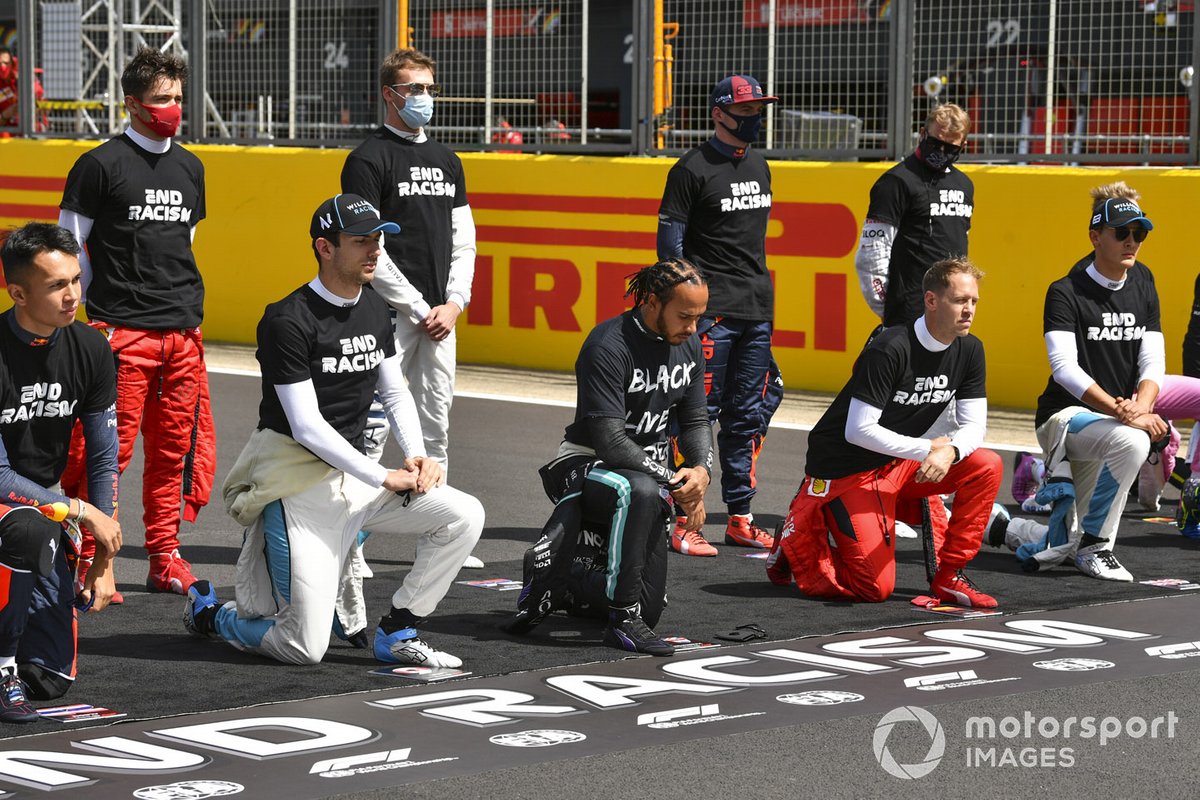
(144, 206)
(931, 211)
(1108, 326)
(340, 348)
(911, 384)
(44, 388)
(726, 204)
(624, 371)
(417, 186)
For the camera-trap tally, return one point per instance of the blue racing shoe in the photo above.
(1188, 515)
(200, 609)
(406, 647)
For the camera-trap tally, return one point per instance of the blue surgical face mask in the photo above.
(747, 128)
(416, 111)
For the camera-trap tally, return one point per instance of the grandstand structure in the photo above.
(1047, 81)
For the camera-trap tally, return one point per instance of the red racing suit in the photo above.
(839, 538)
(162, 390)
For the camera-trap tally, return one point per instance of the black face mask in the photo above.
(937, 154)
(747, 127)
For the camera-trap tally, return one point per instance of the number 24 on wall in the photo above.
(335, 56)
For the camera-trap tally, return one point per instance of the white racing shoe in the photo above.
(406, 647)
(1101, 563)
(1014, 532)
(905, 531)
(473, 562)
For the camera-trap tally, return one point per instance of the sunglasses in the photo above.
(432, 89)
(1139, 234)
(944, 146)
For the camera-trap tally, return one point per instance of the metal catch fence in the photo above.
(1068, 81)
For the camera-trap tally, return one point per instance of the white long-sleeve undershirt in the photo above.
(311, 429)
(864, 429)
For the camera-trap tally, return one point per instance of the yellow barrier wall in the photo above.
(558, 233)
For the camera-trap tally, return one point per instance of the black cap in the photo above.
(1117, 212)
(349, 213)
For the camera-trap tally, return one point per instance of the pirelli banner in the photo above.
(558, 235)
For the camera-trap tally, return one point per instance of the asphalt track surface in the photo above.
(136, 658)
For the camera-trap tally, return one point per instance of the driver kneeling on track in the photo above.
(869, 462)
(567, 568)
(610, 480)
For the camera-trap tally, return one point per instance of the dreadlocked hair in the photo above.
(662, 278)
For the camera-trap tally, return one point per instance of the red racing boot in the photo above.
(690, 543)
(952, 586)
(742, 531)
(169, 573)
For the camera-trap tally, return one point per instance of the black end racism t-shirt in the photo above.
(1108, 326)
(340, 348)
(931, 211)
(44, 388)
(726, 204)
(626, 372)
(1191, 339)
(144, 206)
(417, 186)
(911, 384)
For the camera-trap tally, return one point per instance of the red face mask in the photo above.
(164, 120)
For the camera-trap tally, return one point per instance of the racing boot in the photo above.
(951, 586)
(742, 531)
(398, 642)
(628, 631)
(690, 543)
(14, 703)
(200, 609)
(1188, 515)
(169, 573)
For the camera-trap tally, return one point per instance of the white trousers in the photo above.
(292, 557)
(1104, 458)
(429, 368)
